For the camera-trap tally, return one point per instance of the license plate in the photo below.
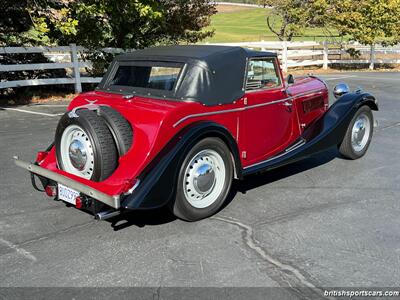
(67, 194)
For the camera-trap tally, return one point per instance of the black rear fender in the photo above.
(157, 182)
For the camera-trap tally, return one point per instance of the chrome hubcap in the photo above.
(204, 178)
(360, 132)
(77, 152)
(77, 155)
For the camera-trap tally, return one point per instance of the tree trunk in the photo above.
(278, 34)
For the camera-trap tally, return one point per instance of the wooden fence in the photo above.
(291, 54)
(301, 54)
(74, 63)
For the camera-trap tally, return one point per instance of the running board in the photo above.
(291, 148)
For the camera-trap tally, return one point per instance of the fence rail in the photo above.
(74, 64)
(291, 54)
(311, 53)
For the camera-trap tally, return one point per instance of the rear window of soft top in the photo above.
(147, 75)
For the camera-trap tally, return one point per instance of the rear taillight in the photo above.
(51, 190)
(78, 202)
(82, 202)
(41, 156)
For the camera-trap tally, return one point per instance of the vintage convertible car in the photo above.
(175, 125)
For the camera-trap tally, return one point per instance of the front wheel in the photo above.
(204, 180)
(358, 135)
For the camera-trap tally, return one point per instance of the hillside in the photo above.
(241, 24)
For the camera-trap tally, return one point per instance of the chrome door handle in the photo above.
(287, 103)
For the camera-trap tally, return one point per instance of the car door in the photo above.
(269, 119)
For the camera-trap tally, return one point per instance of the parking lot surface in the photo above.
(321, 222)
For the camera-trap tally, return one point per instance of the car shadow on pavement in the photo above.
(142, 218)
(257, 180)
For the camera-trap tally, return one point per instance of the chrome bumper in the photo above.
(113, 201)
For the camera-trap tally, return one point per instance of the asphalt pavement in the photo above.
(321, 222)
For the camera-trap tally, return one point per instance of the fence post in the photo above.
(285, 56)
(75, 68)
(263, 48)
(326, 55)
(372, 57)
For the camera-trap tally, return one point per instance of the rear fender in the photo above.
(157, 181)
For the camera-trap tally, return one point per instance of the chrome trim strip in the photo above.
(113, 201)
(207, 114)
(245, 107)
(229, 110)
(294, 146)
(90, 106)
(287, 151)
(130, 191)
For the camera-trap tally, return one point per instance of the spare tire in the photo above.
(85, 146)
(119, 127)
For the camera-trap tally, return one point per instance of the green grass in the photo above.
(248, 25)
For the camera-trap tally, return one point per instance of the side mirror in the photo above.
(340, 89)
(290, 79)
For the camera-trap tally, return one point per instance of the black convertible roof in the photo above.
(199, 52)
(212, 74)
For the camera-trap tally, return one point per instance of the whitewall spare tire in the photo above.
(85, 146)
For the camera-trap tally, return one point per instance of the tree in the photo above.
(133, 24)
(13, 21)
(105, 23)
(368, 21)
(184, 20)
(288, 18)
(97, 24)
(24, 22)
(108, 23)
(30, 22)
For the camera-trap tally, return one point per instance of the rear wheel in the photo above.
(358, 135)
(204, 180)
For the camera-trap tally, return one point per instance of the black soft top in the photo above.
(211, 74)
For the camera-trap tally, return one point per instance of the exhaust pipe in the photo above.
(104, 215)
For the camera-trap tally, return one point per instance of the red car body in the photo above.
(155, 122)
(263, 127)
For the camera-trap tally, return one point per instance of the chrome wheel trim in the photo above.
(360, 132)
(77, 152)
(204, 178)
